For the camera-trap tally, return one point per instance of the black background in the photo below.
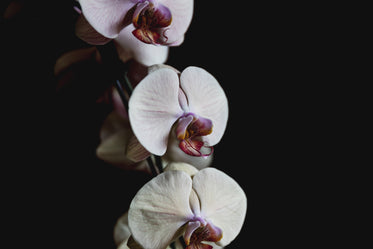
(267, 59)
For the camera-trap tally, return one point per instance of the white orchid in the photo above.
(189, 107)
(141, 29)
(206, 207)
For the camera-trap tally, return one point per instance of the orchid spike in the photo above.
(206, 209)
(190, 107)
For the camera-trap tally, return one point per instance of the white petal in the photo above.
(182, 13)
(207, 99)
(129, 47)
(153, 109)
(223, 202)
(160, 209)
(106, 16)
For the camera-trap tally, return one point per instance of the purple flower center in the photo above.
(198, 231)
(190, 130)
(151, 22)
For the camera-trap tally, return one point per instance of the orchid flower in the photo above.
(205, 207)
(154, 21)
(134, 24)
(191, 106)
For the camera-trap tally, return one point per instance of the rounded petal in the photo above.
(160, 209)
(129, 47)
(107, 16)
(135, 151)
(182, 13)
(207, 99)
(153, 109)
(223, 202)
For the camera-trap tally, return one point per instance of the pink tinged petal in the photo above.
(182, 13)
(177, 42)
(207, 99)
(108, 17)
(129, 47)
(160, 209)
(135, 151)
(88, 34)
(223, 202)
(154, 108)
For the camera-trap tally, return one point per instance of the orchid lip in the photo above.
(195, 147)
(190, 130)
(199, 230)
(151, 22)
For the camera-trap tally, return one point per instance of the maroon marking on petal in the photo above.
(193, 147)
(146, 36)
